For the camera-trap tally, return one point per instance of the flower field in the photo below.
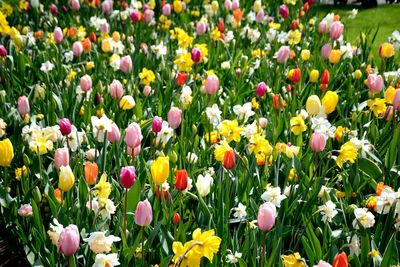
(197, 133)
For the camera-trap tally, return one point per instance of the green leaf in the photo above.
(391, 154)
(37, 220)
(369, 167)
(390, 251)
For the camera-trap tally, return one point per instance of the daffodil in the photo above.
(184, 62)
(347, 152)
(293, 260)
(297, 125)
(185, 255)
(102, 189)
(220, 150)
(146, 76)
(209, 243)
(377, 106)
(230, 130)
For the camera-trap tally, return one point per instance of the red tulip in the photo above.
(340, 260)
(181, 180)
(181, 78)
(176, 219)
(229, 159)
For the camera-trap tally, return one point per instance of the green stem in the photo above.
(263, 248)
(126, 203)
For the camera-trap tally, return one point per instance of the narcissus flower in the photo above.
(230, 130)
(297, 125)
(377, 106)
(293, 260)
(347, 152)
(160, 170)
(208, 243)
(102, 189)
(146, 76)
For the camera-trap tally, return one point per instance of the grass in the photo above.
(386, 17)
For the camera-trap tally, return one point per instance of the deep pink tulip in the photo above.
(261, 89)
(156, 126)
(196, 55)
(127, 176)
(284, 11)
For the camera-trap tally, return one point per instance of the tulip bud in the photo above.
(283, 54)
(262, 122)
(211, 84)
(278, 102)
(284, 11)
(65, 126)
(340, 260)
(221, 25)
(77, 49)
(323, 26)
(261, 89)
(336, 30)
(127, 176)
(325, 77)
(114, 135)
(181, 78)
(314, 74)
(174, 117)
(107, 6)
(91, 172)
(66, 178)
(295, 75)
(3, 51)
(61, 157)
(357, 74)
(53, 9)
(201, 28)
(133, 135)
(326, 51)
(313, 105)
(37, 195)
(266, 216)
(375, 83)
(181, 180)
(294, 24)
(135, 15)
(75, 5)
(116, 89)
(86, 83)
(156, 125)
(69, 240)
(176, 218)
(125, 64)
(396, 100)
(144, 213)
(229, 159)
(317, 142)
(196, 55)
(23, 106)
(166, 10)
(58, 35)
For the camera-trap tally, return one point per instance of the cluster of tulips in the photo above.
(196, 133)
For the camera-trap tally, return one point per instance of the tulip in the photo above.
(330, 101)
(229, 159)
(23, 106)
(396, 100)
(69, 240)
(166, 10)
(283, 54)
(156, 125)
(221, 25)
(323, 26)
(260, 16)
(176, 218)
(336, 30)
(388, 113)
(326, 51)
(196, 55)
(235, 4)
(127, 176)
(314, 74)
(107, 6)
(295, 75)
(144, 213)
(66, 178)
(147, 91)
(294, 25)
(174, 117)
(313, 105)
(181, 180)
(375, 83)
(340, 260)
(6, 152)
(211, 84)
(262, 122)
(278, 102)
(65, 126)
(61, 157)
(125, 64)
(25, 210)
(75, 5)
(322, 263)
(105, 28)
(3, 51)
(127, 102)
(114, 135)
(181, 78)
(53, 9)
(86, 83)
(91, 172)
(334, 56)
(284, 11)
(201, 28)
(77, 49)
(266, 216)
(386, 50)
(116, 89)
(135, 16)
(228, 4)
(133, 135)
(159, 170)
(317, 142)
(148, 16)
(305, 54)
(58, 35)
(261, 89)
(325, 79)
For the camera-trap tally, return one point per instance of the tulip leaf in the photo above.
(391, 153)
(370, 168)
(389, 256)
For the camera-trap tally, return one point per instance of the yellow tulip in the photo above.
(389, 94)
(313, 105)
(314, 75)
(357, 74)
(6, 152)
(334, 56)
(106, 45)
(177, 6)
(386, 50)
(160, 170)
(66, 178)
(305, 54)
(329, 101)
(127, 102)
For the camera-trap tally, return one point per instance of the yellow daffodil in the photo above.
(146, 76)
(347, 152)
(377, 106)
(297, 125)
(102, 189)
(21, 172)
(185, 254)
(260, 145)
(293, 260)
(230, 130)
(339, 132)
(209, 243)
(184, 62)
(220, 150)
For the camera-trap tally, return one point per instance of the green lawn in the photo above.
(386, 17)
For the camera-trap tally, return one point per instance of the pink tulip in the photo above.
(166, 10)
(261, 89)
(396, 100)
(61, 157)
(3, 51)
(317, 142)
(125, 64)
(336, 30)
(107, 6)
(201, 28)
(260, 16)
(326, 51)
(134, 15)
(156, 126)
(133, 151)
(262, 122)
(147, 90)
(116, 89)
(228, 4)
(211, 84)
(144, 213)
(266, 216)
(148, 15)
(283, 54)
(284, 11)
(75, 5)
(77, 49)
(23, 105)
(25, 210)
(105, 28)
(174, 117)
(196, 55)
(323, 26)
(322, 263)
(69, 240)
(133, 135)
(58, 35)
(53, 9)
(235, 4)
(114, 135)
(127, 176)
(86, 83)
(375, 83)
(65, 126)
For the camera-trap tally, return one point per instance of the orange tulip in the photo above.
(87, 45)
(57, 194)
(229, 159)
(91, 172)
